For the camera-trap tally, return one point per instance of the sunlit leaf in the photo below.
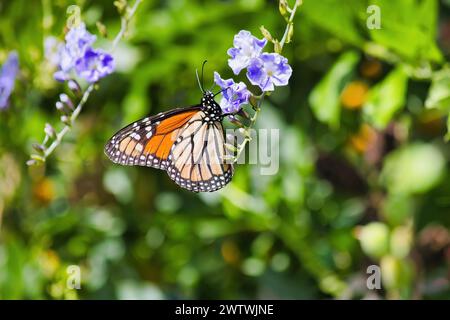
(415, 168)
(325, 98)
(341, 20)
(439, 94)
(386, 98)
(408, 28)
(374, 239)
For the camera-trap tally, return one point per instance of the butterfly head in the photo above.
(208, 96)
(211, 107)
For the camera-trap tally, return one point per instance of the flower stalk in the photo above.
(256, 101)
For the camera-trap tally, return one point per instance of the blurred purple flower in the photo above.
(77, 41)
(246, 47)
(94, 65)
(8, 76)
(234, 95)
(51, 50)
(269, 70)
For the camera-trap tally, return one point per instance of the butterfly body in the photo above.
(188, 143)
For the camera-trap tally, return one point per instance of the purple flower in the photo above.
(8, 76)
(78, 41)
(269, 70)
(246, 47)
(234, 95)
(51, 50)
(94, 65)
(61, 76)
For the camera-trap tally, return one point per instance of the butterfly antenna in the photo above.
(198, 80)
(221, 91)
(203, 68)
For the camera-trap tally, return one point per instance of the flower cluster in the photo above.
(8, 76)
(265, 70)
(76, 59)
(234, 95)
(77, 55)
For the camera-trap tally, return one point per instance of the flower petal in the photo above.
(268, 71)
(246, 47)
(234, 95)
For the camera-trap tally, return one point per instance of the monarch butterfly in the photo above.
(189, 143)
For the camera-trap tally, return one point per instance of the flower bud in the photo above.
(253, 102)
(66, 100)
(59, 106)
(32, 162)
(65, 119)
(121, 5)
(266, 33)
(277, 46)
(102, 29)
(244, 114)
(290, 32)
(37, 158)
(38, 147)
(235, 121)
(74, 86)
(283, 7)
(49, 130)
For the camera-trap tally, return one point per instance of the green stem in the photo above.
(72, 119)
(124, 24)
(290, 21)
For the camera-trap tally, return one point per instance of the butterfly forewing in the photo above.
(147, 142)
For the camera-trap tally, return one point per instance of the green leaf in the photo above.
(397, 208)
(324, 99)
(415, 168)
(341, 20)
(408, 28)
(386, 98)
(439, 94)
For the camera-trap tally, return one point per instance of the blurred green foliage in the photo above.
(363, 173)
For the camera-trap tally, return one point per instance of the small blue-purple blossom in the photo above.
(95, 64)
(234, 95)
(77, 54)
(269, 70)
(8, 76)
(246, 47)
(78, 40)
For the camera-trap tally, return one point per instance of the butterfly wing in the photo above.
(147, 142)
(198, 156)
(180, 141)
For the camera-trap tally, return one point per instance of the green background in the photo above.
(363, 177)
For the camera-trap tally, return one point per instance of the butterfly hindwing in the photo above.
(198, 161)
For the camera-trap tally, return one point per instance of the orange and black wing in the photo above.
(199, 157)
(148, 142)
(183, 142)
